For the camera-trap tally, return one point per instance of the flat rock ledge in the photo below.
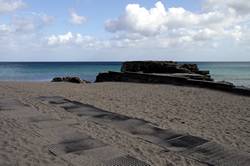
(138, 72)
(165, 67)
(69, 79)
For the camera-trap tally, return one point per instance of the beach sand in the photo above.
(214, 115)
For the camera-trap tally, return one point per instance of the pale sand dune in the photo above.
(213, 115)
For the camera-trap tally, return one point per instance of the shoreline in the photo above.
(174, 84)
(237, 73)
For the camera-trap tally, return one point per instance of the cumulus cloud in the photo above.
(139, 19)
(77, 19)
(161, 27)
(10, 5)
(78, 39)
(159, 19)
(171, 26)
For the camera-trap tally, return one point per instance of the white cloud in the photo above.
(21, 25)
(239, 6)
(139, 19)
(60, 39)
(24, 31)
(71, 39)
(139, 31)
(159, 27)
(158, 19)
(10, 5)
(77, 19)
(30, 22)
(172, 26)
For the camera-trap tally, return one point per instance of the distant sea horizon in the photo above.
(235, 72)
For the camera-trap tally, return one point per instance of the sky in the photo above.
(120, 30)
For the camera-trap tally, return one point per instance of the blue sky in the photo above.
(96, 11)
(112, 30)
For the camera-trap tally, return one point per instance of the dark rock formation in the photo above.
(150, 78)
(192, 76)
(152, 67)
(242, 90)
(193, 68)
(168, 72)
(72, 79)
(69, 79)
(139, 78)
(203, 72)
(166, 67)
(169, 79)
(57, 79)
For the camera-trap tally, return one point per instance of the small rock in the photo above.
(57, 79)
(69, 79)
(72, 79)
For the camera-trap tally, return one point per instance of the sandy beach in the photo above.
(218, 116)
(125, 83)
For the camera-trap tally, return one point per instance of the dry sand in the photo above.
(214, 115)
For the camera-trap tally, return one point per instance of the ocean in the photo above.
(235, 72)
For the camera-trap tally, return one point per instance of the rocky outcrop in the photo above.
(177, 79)
(168, 72)
(166, 67)
(69, 79)
(139, 78)
(169, 79)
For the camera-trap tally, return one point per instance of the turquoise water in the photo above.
(44, 71)
(236, 72)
